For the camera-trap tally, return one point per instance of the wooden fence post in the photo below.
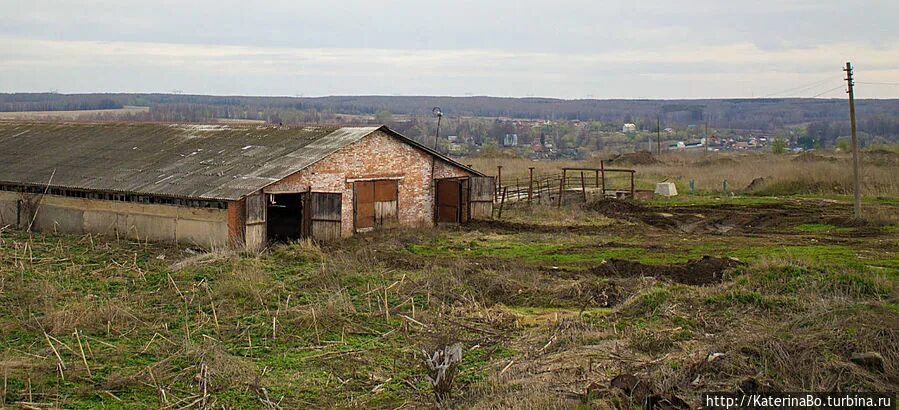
(584, 186)
(530, 183)
(501, 202)
(499, 179)
(633, 191)
(561, 188)
(602, 170)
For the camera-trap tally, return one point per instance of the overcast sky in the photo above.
(558, 48)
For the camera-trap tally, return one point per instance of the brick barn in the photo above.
(217, 186)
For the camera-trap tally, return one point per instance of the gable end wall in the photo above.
(375, 156)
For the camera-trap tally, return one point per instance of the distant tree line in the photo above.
(56, 102)
(473, 118)
(872, 130)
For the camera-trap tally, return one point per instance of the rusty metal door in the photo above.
(364, 205)
(376, 204)
(449, 200)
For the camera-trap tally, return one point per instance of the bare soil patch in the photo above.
(724, 218)
(500, 226)
(703, 271)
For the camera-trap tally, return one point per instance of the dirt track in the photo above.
(724, 218)
(698, 272)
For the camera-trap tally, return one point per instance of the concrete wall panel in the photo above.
(161, 223)
(212, 235)
(8, 209)
(58, 219)
(105, 223)
(149, 227)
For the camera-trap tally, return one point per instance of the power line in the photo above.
(798, 88)
(825, 92)
(872, 83)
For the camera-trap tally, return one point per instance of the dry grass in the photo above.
(72, 115)
(342, 325)
(827, 173)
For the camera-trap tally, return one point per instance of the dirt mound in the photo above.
(756, 184)
(616, 207)
(635, 158)
(709, 162)
(698, 272)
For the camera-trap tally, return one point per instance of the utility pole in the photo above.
(856, 178)
(658, 135)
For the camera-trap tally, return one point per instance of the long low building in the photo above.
(224, 186)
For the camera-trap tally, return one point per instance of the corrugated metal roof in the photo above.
(190, 161)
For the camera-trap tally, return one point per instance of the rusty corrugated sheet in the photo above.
(190, 161)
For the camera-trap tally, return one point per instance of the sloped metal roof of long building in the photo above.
(188, 161)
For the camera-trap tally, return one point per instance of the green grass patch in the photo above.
(739, 297)
(648, 303)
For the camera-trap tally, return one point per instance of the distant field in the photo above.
(238, 121)
(821, 173)
(71, 115)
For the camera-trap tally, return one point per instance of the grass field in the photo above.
(823, 173)
(72, 115)
(550, 305)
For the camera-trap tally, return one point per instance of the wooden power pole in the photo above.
(856, 178)
(658, 135)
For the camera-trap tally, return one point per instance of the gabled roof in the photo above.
(189, 161)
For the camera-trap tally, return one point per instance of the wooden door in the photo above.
(255, 235)
(386, 193)
(449, 200)
(376, 204)
(481, 193)
(325, 215)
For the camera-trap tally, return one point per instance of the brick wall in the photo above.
(378, 155)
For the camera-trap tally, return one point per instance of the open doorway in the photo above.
(285, 217)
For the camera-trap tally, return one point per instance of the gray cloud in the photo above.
(566, 48)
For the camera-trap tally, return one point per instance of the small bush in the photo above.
(648, 303)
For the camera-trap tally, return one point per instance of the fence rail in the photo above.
(550, 188)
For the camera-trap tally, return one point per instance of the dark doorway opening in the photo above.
(285, 217)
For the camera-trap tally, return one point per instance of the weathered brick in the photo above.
(378, 155)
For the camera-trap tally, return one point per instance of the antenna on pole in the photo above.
(439, 114)
(856, 182)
